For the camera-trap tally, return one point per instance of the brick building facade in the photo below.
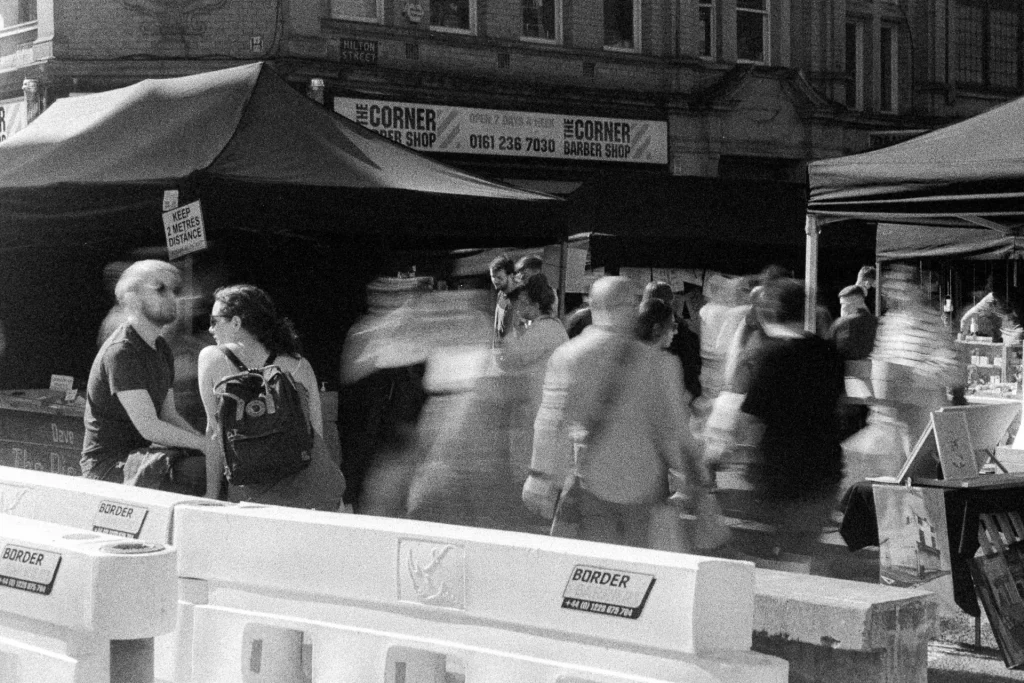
(740, 88)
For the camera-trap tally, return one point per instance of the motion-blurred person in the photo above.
(244, 322)
(853, 332)
(725, 311)
(381, 395)
(657, 326)
(528, 266)
(578, 320)
(994, 315)
(866, 279)
(611, 415)
(503, 272)
(916, 360)
(684, 344)
(523, 360)
(794, 388)
(130, 396)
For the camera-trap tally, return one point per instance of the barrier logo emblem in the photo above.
(612, 592)
(432, 573)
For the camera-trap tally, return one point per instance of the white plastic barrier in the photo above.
(570, 605)
(137, 513)
(258, 648)
(80, 607)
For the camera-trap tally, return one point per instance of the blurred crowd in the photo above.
(613, 424)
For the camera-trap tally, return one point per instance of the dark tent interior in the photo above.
(295, 198)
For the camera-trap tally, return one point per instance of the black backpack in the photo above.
(264, 428)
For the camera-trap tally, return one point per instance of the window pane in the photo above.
(539, 19)
(888, 97)
(854, 74)
(1004, 50)
(707, 29)
(354, 9)
(750, 36)
(26, 10)
(970, 49)
(618, 23)
(450, 13)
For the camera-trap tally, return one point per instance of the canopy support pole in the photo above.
(563, 260)
(811, 274)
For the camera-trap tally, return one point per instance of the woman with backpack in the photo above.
(261, 401)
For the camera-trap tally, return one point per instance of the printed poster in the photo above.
(913, 540)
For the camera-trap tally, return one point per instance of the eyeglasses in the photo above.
(225, 318)
(163, 289)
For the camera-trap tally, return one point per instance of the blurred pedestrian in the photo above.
(611, 418)
(795, 383)
(523, 360)
(503, 279)
(853, 332)
(685, 343)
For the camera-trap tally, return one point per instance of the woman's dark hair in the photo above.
(538, 290)
(259, 317)
(654, 317)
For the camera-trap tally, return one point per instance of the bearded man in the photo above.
(129, 398)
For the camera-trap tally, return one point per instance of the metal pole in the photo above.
(563, 259)
(811, 274)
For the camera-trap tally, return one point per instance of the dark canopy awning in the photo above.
(259, 155)
(970, 174)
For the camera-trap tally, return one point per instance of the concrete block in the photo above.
(835, 630)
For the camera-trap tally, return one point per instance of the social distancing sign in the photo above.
(185, 230)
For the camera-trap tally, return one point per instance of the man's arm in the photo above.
(141, 411)
(169, 413)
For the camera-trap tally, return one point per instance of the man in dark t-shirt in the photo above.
(129, 401)
(795, 385)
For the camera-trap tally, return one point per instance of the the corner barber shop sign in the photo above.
(465, 130)
(184, 230)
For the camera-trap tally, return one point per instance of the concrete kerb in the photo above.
(836, 631)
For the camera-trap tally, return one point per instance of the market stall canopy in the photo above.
(724, 224)
(895, 242)
(258, 154)
(969, 174)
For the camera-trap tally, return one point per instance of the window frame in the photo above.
(378, 17)
(711, 28)
(472, 20)
(637, 16)
(987, 8)
(559, 30)
(766, 33)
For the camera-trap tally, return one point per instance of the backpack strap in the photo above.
(234, 359)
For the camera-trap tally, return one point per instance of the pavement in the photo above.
(958, 653)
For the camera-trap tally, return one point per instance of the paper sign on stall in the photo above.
(61, 383)
(184, 230)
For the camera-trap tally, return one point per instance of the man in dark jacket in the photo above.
(795, 386)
